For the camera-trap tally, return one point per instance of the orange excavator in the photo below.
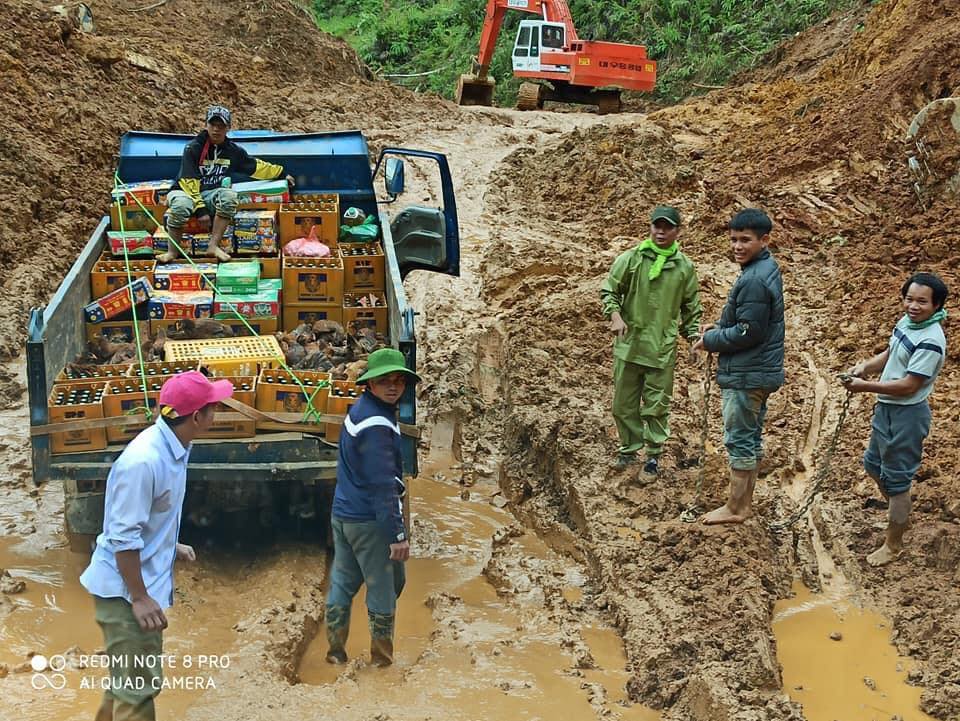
(564, 67)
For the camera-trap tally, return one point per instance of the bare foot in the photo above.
(883, 555)
(723, 515)
(218, 253)
(167, 257)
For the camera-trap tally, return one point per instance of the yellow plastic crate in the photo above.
(227, 356)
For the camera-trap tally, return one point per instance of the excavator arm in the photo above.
(476, 88)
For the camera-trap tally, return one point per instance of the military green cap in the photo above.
(665, 212)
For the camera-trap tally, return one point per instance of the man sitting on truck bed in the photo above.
(208, 160)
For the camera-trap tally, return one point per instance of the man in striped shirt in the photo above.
(901, 418)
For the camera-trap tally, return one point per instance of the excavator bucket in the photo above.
(472, 90)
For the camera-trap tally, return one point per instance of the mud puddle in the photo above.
(465, 652)
(54, 617)
(859, 677)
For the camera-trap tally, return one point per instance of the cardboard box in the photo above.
(171, 305)
(238, 277)
(270, 267)
(363, 267)
(374, 315)
(117, 331)
(304, 212)
(62, 408)
(245, 391)
(261, 326)
(197, 244)
(148, 192)
(138, 242)
(265, 303)
(278, 392)
(125, 397)
(109, 275)
(317, 280)
(118, 301)
(343, 394)
(296, 313)
(179, 277)
(263, 191)
(255, 232)
(134, 217)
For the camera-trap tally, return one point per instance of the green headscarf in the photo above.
(937, 317)
(662, 255)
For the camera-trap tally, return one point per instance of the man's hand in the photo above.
(617, 326)
(186, 553)
(704, 327)
(858, 370)
(854, 384)
(291, 183)
(400, 551)
(149, 614)
(697, 347)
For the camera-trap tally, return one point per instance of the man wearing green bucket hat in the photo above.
(370, 541)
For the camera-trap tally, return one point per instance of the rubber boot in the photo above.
(338, 626)
(737, 508)
(381, 639)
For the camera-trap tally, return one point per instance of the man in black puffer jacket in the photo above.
(749, 338)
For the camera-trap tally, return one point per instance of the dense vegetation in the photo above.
(697, 43)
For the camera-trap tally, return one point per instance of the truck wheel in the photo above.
(530, 96)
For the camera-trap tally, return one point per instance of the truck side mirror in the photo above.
(393, 176)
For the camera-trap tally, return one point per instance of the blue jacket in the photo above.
(750, 334)
(370, 467)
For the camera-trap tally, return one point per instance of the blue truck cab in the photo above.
(274, 475)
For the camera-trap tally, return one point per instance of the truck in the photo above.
(271, 479)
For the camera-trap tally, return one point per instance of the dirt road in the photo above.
(517, 391)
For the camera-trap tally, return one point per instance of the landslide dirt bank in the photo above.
(516, 357)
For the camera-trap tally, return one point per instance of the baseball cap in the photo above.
(218, 112)
(665, 212)
(189, 392)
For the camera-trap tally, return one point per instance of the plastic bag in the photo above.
(366, 232)
(307, 247)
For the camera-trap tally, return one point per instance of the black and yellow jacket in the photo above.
(205, 165)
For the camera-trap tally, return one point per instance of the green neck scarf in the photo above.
(662, 255)
(937, 317)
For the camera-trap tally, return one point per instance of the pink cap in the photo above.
(191, 391)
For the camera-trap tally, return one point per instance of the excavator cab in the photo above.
(534, 36)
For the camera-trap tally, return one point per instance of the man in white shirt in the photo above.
(131, 573)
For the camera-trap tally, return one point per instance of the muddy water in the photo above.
(857, 678)
(54, 615)
(475, 655)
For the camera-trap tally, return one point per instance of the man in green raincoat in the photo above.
(651, 294)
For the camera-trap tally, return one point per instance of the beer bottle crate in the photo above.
(76, 401)
(313, 280)
(108, 275)
(375, 316)
(304, 212)
(92, 373)
(245, 391)
(363, 267)
(124, 397)
(277, 392)
(296, 313)
(343, 394)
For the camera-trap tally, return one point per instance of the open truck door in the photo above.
(424, 237)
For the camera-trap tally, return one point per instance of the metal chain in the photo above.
(821, 476)
(692, 513)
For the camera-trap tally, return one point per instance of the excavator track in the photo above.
(608, 102)
(530, 96)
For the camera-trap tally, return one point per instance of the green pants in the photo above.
(135, 674)
(641, 406)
